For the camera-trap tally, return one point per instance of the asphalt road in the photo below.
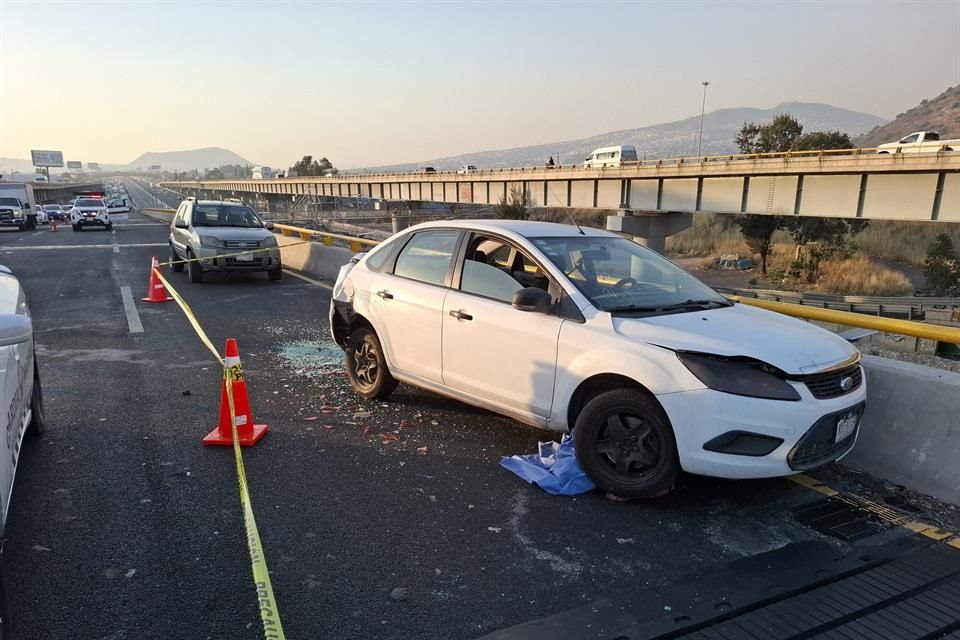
(378, 520)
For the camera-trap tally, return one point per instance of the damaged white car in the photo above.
(562, 327)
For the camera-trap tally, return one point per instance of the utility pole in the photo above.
(702, 107)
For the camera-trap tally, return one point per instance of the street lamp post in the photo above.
(702, 107)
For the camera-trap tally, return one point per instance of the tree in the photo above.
(942, 268)
(214, 174)
(822, 140)
(775, 137)
(512, 208)
(829, 234)
(307, 166)
(757, 231)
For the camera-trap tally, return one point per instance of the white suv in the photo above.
(560, 327)
(88, 212)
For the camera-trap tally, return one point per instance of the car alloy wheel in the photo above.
(366, 366)
(626, 445)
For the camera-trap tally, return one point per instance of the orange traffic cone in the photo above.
(248, 433)
(53, 224)
(156, 292)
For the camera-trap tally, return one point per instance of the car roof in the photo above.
(222, 202)
(524, 228)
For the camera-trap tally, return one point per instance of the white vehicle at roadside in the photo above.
(119, 210)
(90, 212)
(562, 327)
(467, 168)
(610, 157)
(21, 395)
(920, 142)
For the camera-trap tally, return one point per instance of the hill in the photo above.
(668, 140)
(207, 158)
(938, 114)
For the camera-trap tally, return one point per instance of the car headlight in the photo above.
(269, 242)
(210, 242)
(18, 214)
(739, 376)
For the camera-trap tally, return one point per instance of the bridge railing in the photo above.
(868, 152)
(908, 307)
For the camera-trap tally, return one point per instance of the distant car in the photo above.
(217, 232)
(13, 213)
(920, 142)
(467, 168)
(582, 329)
(54, 212)
(90, 212)
(429, 170)
(21, 396)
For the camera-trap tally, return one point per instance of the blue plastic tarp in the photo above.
(554, 468)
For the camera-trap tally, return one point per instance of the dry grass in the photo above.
(861, 276)
(710, 235)
(902, 241)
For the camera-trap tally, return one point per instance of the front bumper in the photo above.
(84, 220)
(705, 416)
(262, 259)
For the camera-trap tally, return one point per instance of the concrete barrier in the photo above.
(315, 258)
(911, 429)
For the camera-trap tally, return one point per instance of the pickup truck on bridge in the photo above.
(920, 142)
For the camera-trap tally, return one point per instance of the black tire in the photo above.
(19, 227)
(177, 266)
(110, 227)
(366, 366)
(275, 274)
(78, 227)
(38, 419)
(194, 270)
(626, 445)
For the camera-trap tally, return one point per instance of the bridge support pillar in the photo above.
(649, 228)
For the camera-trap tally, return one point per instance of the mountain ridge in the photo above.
(941, 114)
(664, 140)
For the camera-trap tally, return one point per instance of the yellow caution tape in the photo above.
(266, 602)
(234, 255)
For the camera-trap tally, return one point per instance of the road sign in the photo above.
(47, 158)
(74, 164)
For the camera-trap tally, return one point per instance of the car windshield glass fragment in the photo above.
(620, 276)
(213, 215)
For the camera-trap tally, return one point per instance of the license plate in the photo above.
(845, 426)
(245, 257)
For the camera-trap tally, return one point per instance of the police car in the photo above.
(90, 211)
(21, 397)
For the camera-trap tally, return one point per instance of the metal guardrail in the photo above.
(912, 328)
(909, 307)
(950, 335)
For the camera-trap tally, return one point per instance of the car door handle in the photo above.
(460, 315)
(386, 295)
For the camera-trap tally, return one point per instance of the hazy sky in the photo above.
(378, 83)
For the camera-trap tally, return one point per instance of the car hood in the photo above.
(792, 345)
(233, 233)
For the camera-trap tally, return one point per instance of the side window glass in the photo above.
(495, 269)
(379, 257)
(426, 257)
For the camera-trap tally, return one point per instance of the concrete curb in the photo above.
(911, 429)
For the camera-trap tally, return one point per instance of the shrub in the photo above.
(942, 268)
(861, 276)
(513, 207)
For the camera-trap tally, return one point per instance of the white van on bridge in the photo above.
(611, 156)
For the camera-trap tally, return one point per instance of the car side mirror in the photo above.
(180, 225)
(532, 299)
(268, 226)
(15, 329)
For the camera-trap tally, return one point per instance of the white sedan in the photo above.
(562, 327)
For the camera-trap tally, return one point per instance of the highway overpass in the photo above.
(848, 184)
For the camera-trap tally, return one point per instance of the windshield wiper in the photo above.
(686, 304)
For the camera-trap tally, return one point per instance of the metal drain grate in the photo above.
(840, 519)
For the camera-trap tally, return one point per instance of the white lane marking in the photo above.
(49, 247)
(133, 318)
(116, 248)
(36, 233)
(310, 280)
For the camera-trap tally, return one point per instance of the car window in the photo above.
(89, 203)
(219, 215)
(496, 269)
(930, 135)
(618, 274)
(380, 254)
(910, 139)
(426, 257)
